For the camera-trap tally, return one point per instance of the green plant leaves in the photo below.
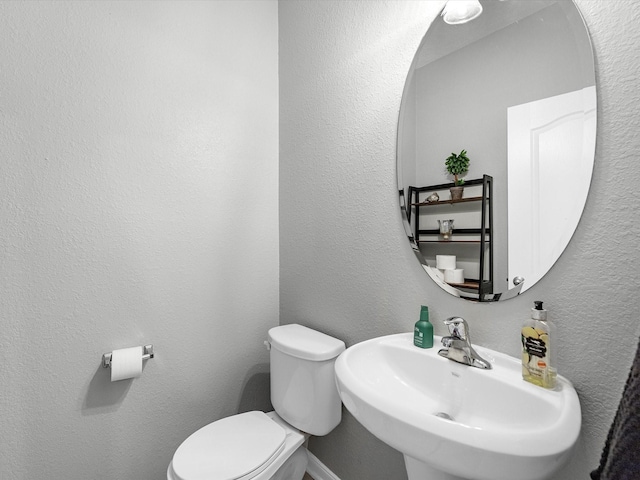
(457, 164)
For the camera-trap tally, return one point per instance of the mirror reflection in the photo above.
(503, 108)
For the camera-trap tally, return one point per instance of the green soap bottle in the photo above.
(423, 331)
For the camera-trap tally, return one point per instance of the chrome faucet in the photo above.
(458, 345)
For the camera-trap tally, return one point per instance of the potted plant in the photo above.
(457, 165)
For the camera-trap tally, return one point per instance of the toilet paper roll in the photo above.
(454, 276)
(446, 262)
(126, 363)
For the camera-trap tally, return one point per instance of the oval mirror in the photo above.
(506, 105)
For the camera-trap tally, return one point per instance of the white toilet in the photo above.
(269, 446)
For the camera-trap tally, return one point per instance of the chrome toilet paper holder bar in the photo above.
(147, 353)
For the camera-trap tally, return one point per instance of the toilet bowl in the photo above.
(252, 445)
(269, 446)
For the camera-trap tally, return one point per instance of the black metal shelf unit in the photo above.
(484, 232)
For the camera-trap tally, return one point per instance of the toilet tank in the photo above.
(303, 385)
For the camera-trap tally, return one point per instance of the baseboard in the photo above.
(319, 470)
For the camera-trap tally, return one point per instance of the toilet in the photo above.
(270, 446)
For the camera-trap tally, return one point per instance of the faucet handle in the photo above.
(458, 327)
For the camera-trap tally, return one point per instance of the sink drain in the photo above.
(446, 416)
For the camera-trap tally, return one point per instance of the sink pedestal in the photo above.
(417, 470)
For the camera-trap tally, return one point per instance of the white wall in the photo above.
(138, 204)
(346, 267)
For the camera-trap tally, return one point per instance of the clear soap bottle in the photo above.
(538, 349)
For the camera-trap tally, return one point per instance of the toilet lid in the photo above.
(233, 448)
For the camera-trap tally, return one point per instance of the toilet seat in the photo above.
(233, 448)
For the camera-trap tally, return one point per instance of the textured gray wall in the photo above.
(138, 165)
(346, 267)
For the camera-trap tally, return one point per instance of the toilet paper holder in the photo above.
(147, 353)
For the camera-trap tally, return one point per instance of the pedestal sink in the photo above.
(453, 421)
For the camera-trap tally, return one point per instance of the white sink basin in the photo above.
(456, 421)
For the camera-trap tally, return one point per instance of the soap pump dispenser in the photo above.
(538, 349)
(423, 330)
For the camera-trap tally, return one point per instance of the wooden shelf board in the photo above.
(451, 241)
(447, 202)
(466, 284)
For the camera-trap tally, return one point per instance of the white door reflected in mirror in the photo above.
(547, 166)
